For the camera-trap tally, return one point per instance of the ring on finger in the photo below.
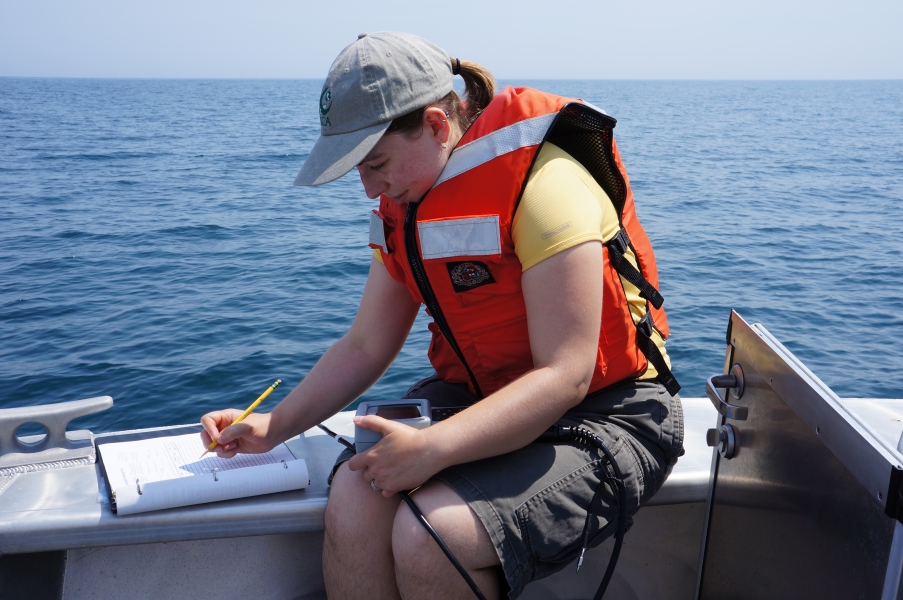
(375, 487)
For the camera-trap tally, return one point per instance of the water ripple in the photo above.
(153, 248)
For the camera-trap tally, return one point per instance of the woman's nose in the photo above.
(374, 184)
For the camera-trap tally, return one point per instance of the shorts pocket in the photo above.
(643, 477)
(671, 427)
(551, 521)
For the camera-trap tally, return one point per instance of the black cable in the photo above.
(553, 434)
(336, 437)
(587, 437)
(442, 546)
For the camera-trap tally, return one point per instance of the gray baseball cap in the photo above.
(376, 78)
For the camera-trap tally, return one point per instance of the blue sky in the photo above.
(637, 39)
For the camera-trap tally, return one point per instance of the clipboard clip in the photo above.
(284, 465)
(138, 485)
(215, 477)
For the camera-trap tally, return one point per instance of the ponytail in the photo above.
(479, 90)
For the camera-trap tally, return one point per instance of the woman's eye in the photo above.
(377, 167)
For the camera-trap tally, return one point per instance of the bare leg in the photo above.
(357, 547)
(421, 569)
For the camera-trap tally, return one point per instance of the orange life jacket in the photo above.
(453, 250)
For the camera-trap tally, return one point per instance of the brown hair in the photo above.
(479, 89)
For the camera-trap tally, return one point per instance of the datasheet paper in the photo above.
(166, 472)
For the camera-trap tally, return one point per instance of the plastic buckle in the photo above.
(646, 325)
(620, 242)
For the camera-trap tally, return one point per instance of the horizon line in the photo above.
(687, 79)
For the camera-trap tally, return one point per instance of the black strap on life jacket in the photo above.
(617, 248)
(647, 346)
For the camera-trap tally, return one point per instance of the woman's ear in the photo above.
(436, 122)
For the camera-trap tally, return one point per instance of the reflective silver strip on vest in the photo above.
(377, 232)
(475, 236)
(528, 132)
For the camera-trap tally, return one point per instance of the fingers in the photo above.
(390, 459)
(369, 475)
(217, 427)
(361, 462)
(377, 424)
(358, 462)
(215, 421)
(228, 450)
(234, 432)
(211, 431)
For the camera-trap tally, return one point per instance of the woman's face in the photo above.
(405, 167)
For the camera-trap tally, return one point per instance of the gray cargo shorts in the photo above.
(533, 501)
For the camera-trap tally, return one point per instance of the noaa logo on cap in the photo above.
(325, 105)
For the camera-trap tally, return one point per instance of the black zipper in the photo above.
(426, 291)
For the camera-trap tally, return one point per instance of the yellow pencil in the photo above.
(242, 416)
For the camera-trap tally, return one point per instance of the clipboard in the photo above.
(150, 470)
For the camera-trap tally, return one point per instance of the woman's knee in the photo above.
(413, 548)
(354, 512)
(421, 568)
(452, 518)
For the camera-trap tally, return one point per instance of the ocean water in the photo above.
(152, 247)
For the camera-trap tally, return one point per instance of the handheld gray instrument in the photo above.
(411, 412)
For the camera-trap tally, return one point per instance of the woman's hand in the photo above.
(402, 460)
(252, 436)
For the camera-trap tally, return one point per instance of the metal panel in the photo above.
(266, 567)
(872, 460)
(798, 512)
(658, 561)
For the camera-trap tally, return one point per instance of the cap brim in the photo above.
(334, 155)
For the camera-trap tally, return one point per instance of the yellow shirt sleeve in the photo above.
(377, 255)
(562, 206)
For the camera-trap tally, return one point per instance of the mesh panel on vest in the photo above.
(587, 136)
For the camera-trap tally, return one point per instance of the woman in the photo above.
(492, 213)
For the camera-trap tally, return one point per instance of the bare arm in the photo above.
(563, 296)
(350, 366)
